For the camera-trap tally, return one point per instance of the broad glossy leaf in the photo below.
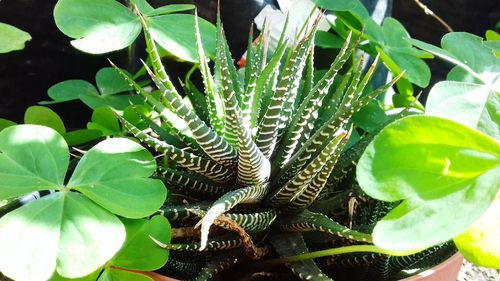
(70, 90)
(105, 120)
(181, 40)
(370, 118)
(117, 102)
(139, 251)
(169, 9)
(63, 231)
(113, 274)
(474, 60)
(339, 5)
(32, 158)
(91, 277)
(471, 104)
(5, 123)
(433, 165)
(12, 38)
(81, 136)
(99, 26)
(115, 174)
(327, 40)
(479, 244)
(109, 81)
(41, 115)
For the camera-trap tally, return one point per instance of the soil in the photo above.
(470, 272)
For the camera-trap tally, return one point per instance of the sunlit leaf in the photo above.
(41, 115)
(32, 158)
(433, 165)
(139, 251)
(63, 231)
(99, 26)
(12, 38)
(181, 41)
(115, 174)
(471, 104)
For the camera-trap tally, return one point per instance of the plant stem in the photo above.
(429, 12)
(337, 251)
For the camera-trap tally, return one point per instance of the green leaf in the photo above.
(475, 61)
(139, 251)
(81, 136)
(433, 165)
(114, 174)
(70, 90)
(12, 38)
(114, 274)
(471, 104)
(181, 41)
(339, 5)
(143, 6)
(99, 26)
(328, 40)
(169, 9)
(105, 120)
(479, 244)
(41, 115)
(32, 158)
(63, 231)
(370, 117)
(91, 277)
(117, 102)
(4, 123)
(110, 82)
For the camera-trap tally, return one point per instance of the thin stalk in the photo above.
(336, 251)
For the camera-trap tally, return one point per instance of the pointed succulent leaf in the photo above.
(265, 86)
(225, 203)
(212, 144)
(194, 163)
(301, 126)
(214, 101)
(290, 244)
(32, 158)
(309, 221)
(193, 182)
(309, 193)
(312, 145)
(288, 192)
(280, 107)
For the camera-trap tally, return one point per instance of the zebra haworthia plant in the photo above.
(257, 143)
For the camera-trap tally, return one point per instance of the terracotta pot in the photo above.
(445, 271)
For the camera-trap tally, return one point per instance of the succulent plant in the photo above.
(258, 163)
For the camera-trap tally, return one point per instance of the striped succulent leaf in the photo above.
(267, 142)
(203, 166)
(280, 106)
(301, 126)
(285, 194)
(214, 101)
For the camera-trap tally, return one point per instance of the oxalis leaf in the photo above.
(434, 166)
(32, 158)
(12, 38)
(471, 104)
(114, 174)
(99, 26)
(63, 231)
(139, 251)
(479, 244)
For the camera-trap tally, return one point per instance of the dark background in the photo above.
(26, 75)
